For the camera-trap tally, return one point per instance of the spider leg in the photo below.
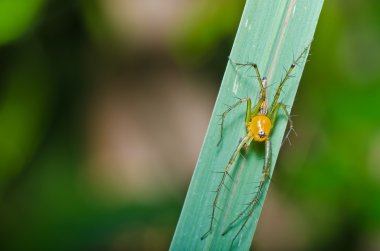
(265, 176)
(287, 76)
(241, 144)
(279, 89)
(258, 75)
(224, 114)
(273, 117)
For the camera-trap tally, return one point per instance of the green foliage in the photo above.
(271, 34)
(23, 111)
(202, 35)
(16, 16)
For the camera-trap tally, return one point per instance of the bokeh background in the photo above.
(104, 105)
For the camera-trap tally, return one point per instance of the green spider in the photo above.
(259, 121)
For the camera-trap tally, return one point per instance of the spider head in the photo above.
(261, 134)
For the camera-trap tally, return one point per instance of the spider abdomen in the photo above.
(259, 128)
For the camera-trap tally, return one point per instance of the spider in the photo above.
(259, 122)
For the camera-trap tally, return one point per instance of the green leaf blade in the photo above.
(271, 34)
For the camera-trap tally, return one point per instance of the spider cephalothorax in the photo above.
(259, 128)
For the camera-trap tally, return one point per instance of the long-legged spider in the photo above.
(259, 121)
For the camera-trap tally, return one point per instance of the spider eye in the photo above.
(261, 134)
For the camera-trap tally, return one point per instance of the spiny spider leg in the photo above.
(287, 76)
(262, 87)
(241, 144)
(273, 118)
(224, 114)
(255, 200)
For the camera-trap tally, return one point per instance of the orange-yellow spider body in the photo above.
(259, 128)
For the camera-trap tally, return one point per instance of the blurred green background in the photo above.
(104, 105)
